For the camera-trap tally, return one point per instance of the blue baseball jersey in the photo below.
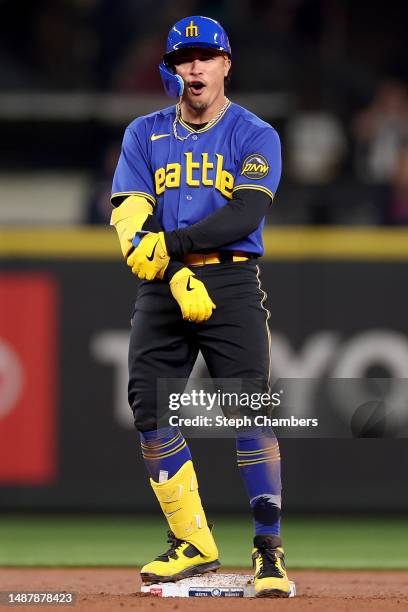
(188, 180)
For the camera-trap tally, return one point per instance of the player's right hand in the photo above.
(150, 259)
(192, 296)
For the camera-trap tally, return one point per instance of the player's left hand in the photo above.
(192, 296)
(150, 259)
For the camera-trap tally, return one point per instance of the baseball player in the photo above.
(190, 193)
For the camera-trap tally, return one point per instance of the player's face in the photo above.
(203, 72)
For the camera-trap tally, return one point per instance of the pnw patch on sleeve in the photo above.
(255, 166)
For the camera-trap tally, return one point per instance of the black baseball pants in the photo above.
(234, 341)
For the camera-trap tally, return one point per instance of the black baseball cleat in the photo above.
(268, 558)
(182, 560)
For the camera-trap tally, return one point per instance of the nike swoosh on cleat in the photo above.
(157, 136)
(188, 285)
(152, 253)
(169, 514)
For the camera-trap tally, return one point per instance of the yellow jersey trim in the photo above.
(206, 128)
(137, 193)
(255, 188)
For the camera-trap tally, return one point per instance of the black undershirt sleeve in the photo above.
(241, 216)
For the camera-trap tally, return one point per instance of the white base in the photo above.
(208, 585)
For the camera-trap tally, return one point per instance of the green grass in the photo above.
(310, 542)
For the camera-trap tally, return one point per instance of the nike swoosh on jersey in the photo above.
(157, 136)
(188, 285)
(150, 258)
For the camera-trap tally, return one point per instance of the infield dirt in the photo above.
(107, 589)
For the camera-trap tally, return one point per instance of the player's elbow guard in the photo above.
(129, 218)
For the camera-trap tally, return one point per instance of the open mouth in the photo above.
(196, 87)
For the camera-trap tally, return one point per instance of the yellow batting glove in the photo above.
(192, 296)
(149, 260)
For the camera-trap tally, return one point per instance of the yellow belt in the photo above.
(202, 259)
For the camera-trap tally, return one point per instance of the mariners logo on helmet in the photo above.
(191, 29)
(255, 166)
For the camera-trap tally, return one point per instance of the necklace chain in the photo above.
(209, 124)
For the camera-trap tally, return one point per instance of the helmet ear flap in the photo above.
(169, 64)
(173, 83)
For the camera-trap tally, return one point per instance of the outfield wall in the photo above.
(338, 301)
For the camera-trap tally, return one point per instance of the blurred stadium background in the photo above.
(331, 76)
